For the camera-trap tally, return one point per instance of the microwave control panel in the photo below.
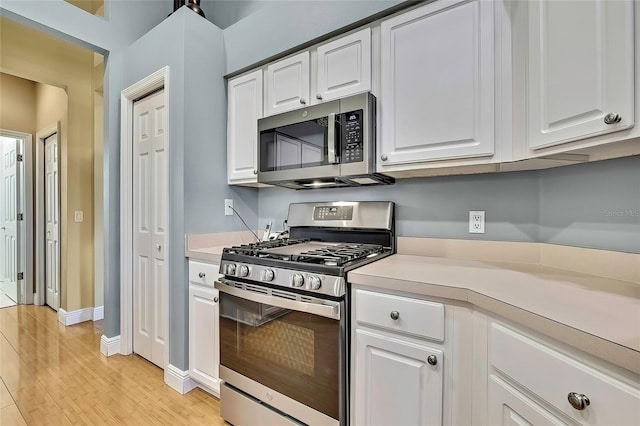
(352, 140)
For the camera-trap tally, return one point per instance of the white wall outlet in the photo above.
(476, 222)
(78, 216)
(228, 207)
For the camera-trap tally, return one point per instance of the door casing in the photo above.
(144, 87)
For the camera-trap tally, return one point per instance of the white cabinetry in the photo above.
(244, 110)
(339, 68)
(204, 337)
(580, 69)
(573, 390)
(397, 377)
(437, 81)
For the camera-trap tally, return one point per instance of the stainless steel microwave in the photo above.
(327, 145)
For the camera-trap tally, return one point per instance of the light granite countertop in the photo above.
(598, 315)
(207, 254)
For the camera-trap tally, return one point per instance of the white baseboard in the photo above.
(75, 317)
(98, 313)
(178, 380)
(109, 345)
(80, 315)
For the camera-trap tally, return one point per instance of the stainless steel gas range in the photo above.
(284, 312)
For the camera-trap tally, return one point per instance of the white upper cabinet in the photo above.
(288, 84)
(580, 70)
(437, 81)
(334, 70)
(344, 66)
(244, 110)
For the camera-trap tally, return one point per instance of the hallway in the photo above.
(55, 375)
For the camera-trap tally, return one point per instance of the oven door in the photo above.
(289, 354)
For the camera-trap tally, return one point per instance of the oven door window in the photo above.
(296, 146)
(291, 352)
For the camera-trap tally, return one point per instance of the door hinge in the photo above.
(20, 275)
(20, 216)
(19, 157)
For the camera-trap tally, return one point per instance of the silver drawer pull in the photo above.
(432, 360)
(395, 315)
(578, 401)
(216, 299)
(201, 274)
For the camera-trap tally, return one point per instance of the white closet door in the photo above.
(52, 208)
(149, 224)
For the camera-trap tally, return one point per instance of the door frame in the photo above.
(39, 297)
(144, 87)
(25, 293)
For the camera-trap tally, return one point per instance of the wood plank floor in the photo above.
(55, 375)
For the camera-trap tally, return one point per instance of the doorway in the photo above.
(15, 219)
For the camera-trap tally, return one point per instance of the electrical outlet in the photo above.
(476, 222)
(228, 207)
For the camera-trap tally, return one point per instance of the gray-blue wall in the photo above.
(594, 205)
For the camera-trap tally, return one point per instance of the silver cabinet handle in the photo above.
(394, 315)
(319, 97)
(302, 101)
(201, 275)
(612, 118)
(432, 360)
(3, 228)
(216, 299)
(158, 247)
(255, 172)
(578, 401)
(383, 157)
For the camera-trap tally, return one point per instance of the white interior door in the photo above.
(9, 228)
(52, 226)
(149, 225)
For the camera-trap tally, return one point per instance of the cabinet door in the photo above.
(344, 66)
(204, 337)
(244, 110)
(288, 84)
(438, 83)
(509, 407)
(394, 384)
(580, 69)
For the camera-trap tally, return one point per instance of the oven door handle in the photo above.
(325, 308)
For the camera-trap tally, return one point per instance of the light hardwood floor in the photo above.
(55, 375)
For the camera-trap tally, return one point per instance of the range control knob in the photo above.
(268, 275)
(298, 280)
(243, 271)
(231, 269)
(313, 283)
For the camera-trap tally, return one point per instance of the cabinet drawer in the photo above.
(552, 376)
(414, 316)
(203, 273)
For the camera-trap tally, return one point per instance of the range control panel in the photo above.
(333, 213)
(352, 139)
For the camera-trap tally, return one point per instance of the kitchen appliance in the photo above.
(284, 312)
(326, 145)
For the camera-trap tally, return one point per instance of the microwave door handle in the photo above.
(331, 138)
(327, 309)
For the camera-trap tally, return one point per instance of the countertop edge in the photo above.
(599, 347)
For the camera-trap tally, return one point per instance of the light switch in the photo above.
(79, 216)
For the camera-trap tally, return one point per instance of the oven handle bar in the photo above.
(324, 308)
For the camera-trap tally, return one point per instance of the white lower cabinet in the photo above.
(204, 336)
(397, 360)
(394, 382)
(568, 389)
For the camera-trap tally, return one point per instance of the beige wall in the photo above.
(39, 57)
(17, 104)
